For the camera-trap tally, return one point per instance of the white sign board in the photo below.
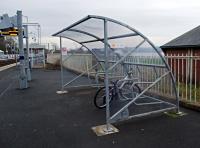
(64, 51)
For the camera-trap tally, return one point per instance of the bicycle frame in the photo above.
(128, 77)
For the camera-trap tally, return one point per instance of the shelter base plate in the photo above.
(102, 130)
(60, 92)
(175, 114)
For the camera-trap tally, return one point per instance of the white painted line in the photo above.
(7, 66)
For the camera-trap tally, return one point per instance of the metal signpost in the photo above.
(23, 76)
(6, 23)
(27, 57)
(38, 30)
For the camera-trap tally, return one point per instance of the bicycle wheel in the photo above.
(129, 93)
(100, 97)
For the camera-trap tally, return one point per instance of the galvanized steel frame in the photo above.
(106, 61)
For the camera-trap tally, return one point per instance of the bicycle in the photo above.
(124, 89)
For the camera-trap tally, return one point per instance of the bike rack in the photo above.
(96, 32)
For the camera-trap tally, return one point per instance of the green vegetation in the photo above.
(185, 92)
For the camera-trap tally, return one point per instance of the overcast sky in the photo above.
(159, 20)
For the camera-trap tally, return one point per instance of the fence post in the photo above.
(178, 77)
(186, 81)
(191, 73)
(195, 79)
(182, 74)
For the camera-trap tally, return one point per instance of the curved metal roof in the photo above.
(91, 29)
(98, 17)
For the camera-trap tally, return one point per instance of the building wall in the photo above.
(180, 61)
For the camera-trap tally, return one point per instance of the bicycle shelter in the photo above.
(118, 48)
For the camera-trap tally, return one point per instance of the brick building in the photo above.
(188, 47)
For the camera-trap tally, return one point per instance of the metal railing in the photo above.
(185, 69)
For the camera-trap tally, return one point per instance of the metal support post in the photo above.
(27, 60)
(61, 65)
(106, 76)
(62, 91)
(22, 77)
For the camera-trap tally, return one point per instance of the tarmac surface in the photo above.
(37, 117)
